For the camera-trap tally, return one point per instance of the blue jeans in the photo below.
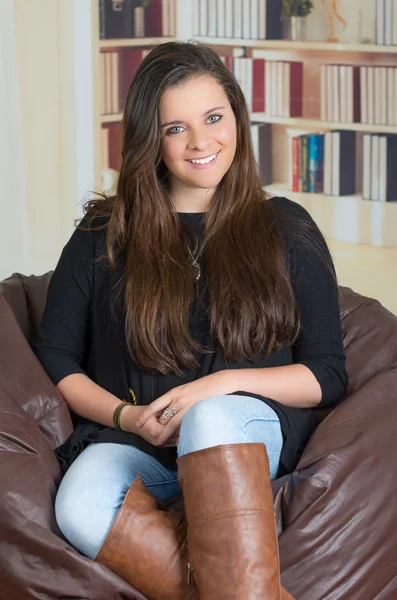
(94, 487)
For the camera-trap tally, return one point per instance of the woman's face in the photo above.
(199, 134)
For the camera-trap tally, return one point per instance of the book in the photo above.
(261, 135)
(160, 16)
(304, 175)
(316, 162)
(387, 191)
(292, 89)
(258, 90)
(270, 24)
(130, 60)
(343, 168)
(116, 19)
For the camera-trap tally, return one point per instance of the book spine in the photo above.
(296, 89)
(295, 164)
(102, 32)
(304, 174)
(258, 85)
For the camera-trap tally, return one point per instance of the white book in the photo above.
(280, 88)
(246, 29)
(273, 87)
(102, 82)
(377, 98)
(335, 163)
(115, 82)
(382, 168)
(343, 116)
(383, 95)
(328, 163)
(323, 93)
(173, 13)
(366, 165)
(268, 87)
(220, 18)
(104, 143)
(139, 22)
(335, 93)
(262, 19)
(229, 19)
(350, 94)
(212, 15)
(364, 94)
(204, 17)
(391, 101)
(237, 19)
(394, 26)
(108, 83)
(388, 32)
(330, 95)
(249, 68)
(380, 22)
(254, 17)
(286, 90)
(375, 167)
(371, 95)
(395, 95)
(196, 17)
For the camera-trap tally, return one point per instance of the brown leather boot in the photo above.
(231, 526)
(147, 547)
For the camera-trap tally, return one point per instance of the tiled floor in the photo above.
(368, 270)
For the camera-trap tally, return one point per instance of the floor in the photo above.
(368, 270)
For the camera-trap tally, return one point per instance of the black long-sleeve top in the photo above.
(78, 334)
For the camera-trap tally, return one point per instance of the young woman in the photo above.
(192, 325)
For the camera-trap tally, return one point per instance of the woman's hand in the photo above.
(150, 431)
(179, 400)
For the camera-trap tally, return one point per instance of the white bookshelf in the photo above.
(133, 43)
(347, 218)
(288, 45)
(317, 124)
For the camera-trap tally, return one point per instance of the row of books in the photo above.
(271, 87)
(241, 19)
(386, 22)
(325, 163)
(379, 167)
(123, 19)
(359, 94)
(117, 68)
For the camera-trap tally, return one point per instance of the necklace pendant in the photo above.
(197, 266)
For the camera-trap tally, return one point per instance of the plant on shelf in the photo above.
(296, 8)
(293, 13)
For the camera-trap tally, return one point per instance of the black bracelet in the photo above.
(117, 413)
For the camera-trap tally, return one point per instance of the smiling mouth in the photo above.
(204, 161)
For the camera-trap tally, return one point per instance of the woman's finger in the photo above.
(157, 406)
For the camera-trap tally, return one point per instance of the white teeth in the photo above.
(204, 161)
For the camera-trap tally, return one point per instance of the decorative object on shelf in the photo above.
(122, 18)
(333, 12)
(293, 13)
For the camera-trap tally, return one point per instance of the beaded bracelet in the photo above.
(117, 413)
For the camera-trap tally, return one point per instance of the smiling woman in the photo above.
(199, 141)
(219, 307)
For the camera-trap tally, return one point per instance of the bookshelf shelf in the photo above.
(116, 118)
(346, 218)
(288, 45)
(317, 124)
(133, 42)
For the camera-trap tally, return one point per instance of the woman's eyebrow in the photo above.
(204, 115)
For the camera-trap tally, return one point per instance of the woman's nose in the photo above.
(198, 140)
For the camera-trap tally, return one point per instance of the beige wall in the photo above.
(46, 127)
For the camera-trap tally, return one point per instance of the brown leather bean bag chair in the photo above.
(336, 514)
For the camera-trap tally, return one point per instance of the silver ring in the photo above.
(169, 412)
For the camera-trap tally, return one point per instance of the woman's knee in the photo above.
(87, 501)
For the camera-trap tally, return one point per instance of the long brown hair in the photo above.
(252, 305)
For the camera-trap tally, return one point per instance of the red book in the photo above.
(156, 18)
(295, 163)
(114, 146)
(229, 63)
(293, 89)
(130, 60)
(258, 85)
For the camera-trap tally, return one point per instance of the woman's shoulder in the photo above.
(284, 207)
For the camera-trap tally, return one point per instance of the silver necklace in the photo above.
(195, 264)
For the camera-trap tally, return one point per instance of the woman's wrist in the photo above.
(129, 416)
